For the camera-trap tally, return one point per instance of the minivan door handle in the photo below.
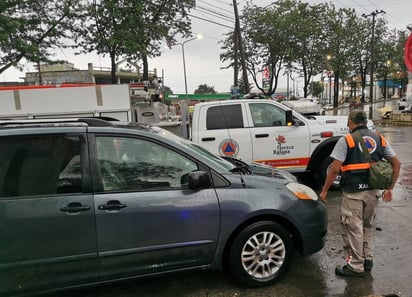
(74, 207)
(112, 205)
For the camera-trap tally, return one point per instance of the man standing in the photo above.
(359, 201)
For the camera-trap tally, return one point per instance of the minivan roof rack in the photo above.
(95, 122)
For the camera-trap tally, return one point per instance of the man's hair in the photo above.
(358, 117)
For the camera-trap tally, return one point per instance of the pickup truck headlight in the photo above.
(302, 192)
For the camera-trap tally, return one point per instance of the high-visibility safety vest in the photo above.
(355, 168)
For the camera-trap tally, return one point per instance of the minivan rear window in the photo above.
(39, 165)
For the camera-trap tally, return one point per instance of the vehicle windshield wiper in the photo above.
(241, 166)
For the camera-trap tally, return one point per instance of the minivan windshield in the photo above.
(225, 165)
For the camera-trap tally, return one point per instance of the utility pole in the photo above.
(236, 59)
(372, 60)
(240, 44)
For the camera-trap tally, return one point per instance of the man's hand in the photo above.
(387, 195)
(323, 195)
(330, 178)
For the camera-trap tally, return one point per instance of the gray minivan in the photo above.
(87, 201)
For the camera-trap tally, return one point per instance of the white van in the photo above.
(404, 102)
(306, 106)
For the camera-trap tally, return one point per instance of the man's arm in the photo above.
(330, 178)
(396, 164)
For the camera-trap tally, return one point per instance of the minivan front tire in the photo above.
(260, 254)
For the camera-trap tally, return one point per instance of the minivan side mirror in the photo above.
(198, 180)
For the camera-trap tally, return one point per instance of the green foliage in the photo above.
(132, 29)
(205, 89)
(167, 90)
(316, 88)
(294, 36)
(123, 29)
(30, 29)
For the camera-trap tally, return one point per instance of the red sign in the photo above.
(408, 53)
(265, 72)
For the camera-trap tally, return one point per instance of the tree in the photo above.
(205, 89)
(342, 29)
(316, 88)
(265, 45)
(31, 28)
(304, 26)
(293, 36)
(132, 29)
(167, 90)
(388, 55)
(162, 20)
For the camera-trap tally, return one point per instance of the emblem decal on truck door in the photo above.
(281, 139)
(229, 148)
(282, 150)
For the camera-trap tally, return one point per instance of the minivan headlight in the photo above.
(302, 192)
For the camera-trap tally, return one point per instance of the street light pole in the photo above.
(184, 61)
(372, 62)
(329, 74)
(330, 89)
(183, 103)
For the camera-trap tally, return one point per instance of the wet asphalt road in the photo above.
(314, 275)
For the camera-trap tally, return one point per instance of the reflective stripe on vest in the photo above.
(350, 141)
(383, 140)
(358, 166)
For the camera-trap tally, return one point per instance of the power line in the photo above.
(379, 6)
(215, 13)
(360, 6)
(211, 18)
(220, 2)
(206, 20)
(367, 6)
(394, 18)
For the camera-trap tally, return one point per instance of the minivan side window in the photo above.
(40, 165)
(224, 117)
(130, 164)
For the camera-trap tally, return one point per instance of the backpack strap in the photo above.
(358, 137)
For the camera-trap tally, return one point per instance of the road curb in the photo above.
(390, 123)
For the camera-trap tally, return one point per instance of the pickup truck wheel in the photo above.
(260, 254)
(323, 172)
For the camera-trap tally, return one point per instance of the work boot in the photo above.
(367, 265)
(346, 271)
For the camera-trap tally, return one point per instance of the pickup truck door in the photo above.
(224, 130)
(273, 142)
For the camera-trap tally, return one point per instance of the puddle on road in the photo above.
(396, 134)
(405, 176)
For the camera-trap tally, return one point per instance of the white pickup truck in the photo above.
(268, 132)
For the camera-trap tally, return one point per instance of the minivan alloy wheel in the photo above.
(263, 254)
(260, 254)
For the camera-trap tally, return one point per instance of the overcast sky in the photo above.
(202, 56)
